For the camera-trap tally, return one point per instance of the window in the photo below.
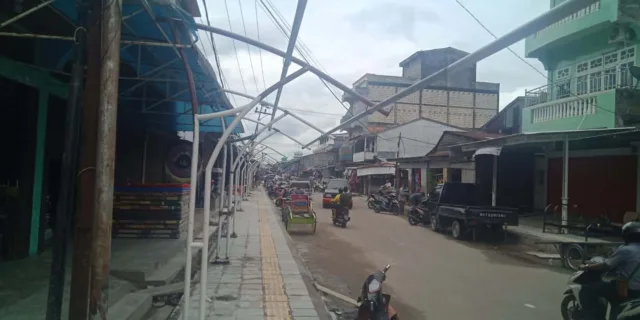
(595, 63)
(582, 67)
(562, 73)
(582, 84)
(627, 53)
(595, 81)
(611, 58)
(626, 80)
(610, 78)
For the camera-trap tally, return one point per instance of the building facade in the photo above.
(455, 99)
(588, 56)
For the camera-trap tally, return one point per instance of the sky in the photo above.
(348, 38)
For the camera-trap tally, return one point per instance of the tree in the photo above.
(283, 159)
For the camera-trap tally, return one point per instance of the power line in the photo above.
(302, 53)
(226, 7)
(264, 84)
(244, 27)
(520, 58)
(213, 43)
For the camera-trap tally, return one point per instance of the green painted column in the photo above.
(38, 174)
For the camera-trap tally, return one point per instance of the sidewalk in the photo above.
(262, 280)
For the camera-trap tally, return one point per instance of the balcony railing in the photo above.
(577, 96)
(566, 108)
(576, 15)
(610, 78)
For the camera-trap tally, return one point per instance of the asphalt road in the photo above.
(432, 276)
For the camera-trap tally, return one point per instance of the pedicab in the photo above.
(298, 211)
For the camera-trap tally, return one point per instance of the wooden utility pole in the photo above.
(82, 242)
(105, 156)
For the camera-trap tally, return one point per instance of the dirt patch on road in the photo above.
(336, 264)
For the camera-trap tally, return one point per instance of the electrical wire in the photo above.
(213, 43)
(264, 83)
(244, 27)
(518, 56)
(283, 30)
(235, 49)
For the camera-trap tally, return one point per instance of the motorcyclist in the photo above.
(416, 198)
(624, 263)
(342, 199)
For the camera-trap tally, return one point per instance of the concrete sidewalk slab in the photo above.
(262, 280)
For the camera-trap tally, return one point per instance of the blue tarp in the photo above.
(175, 114)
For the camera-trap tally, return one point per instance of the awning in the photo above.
(537, 137)
(494, 151)
(372, 171)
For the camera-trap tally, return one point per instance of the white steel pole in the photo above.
(192, 207)
(241, 113)
(221, 200)
(565, 183)
(232, 209)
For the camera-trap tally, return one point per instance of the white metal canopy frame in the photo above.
(555, 14)
(240, 113)
(244, 179)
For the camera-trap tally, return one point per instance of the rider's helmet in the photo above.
(631, 232)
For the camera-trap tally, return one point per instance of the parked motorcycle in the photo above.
(571, 308)
(374, 304)
(373, 199)
(389, 204)
(341, 219)
(418, 214)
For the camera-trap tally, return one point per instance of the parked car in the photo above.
(333, 188)
(459, 206)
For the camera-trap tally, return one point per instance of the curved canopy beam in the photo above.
(555, 14)
(299, 62)
(299, 118)
(277, 130)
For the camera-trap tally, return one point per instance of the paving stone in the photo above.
(304, 312)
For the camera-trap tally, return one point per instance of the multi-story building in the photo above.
(588, 56)
(455, 98)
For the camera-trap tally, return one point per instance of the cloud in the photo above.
(350, 38)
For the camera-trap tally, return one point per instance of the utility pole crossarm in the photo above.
(297, 21)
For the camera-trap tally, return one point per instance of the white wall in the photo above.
(426, 133)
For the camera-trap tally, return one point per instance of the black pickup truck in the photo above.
(459, 206)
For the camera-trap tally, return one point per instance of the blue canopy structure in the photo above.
(153, 80)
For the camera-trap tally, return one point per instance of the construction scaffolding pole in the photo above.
(82, 238)
(105, 157)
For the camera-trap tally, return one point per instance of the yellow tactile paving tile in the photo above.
(277, 309)
(276, 302)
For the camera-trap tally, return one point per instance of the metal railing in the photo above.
(613, 78)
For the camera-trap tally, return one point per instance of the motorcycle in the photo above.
(570, 307)
(374, 304)
(418, 214)
(373, 199)
(389, 204)
(318, 188)
(340, 219)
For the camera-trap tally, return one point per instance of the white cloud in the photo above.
(350, 38)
